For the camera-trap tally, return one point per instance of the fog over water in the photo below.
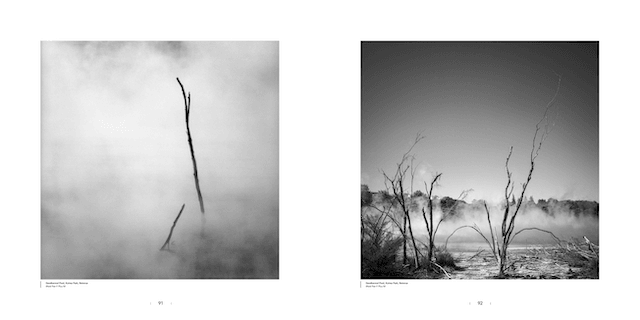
(565, 225)
(561, 221)
(116, 165)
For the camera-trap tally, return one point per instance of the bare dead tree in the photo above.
(187, 111)
(432, 229)
(500, 241)
(429, 223)
(166, 245)
(405, 218)
(396, 184)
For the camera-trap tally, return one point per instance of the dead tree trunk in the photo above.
(429, 222)
(187, 110)
(432, 229)
(397, 186)
(500, 241)
(404, 242)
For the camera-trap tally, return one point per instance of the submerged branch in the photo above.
(166, 243)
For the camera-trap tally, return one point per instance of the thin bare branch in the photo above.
(186, 105)
(387, 212)
(441, 268)
(500, 246)
(506, 193)
(493, 239)
(548, 125)
(475, 228)
(166, 245)
(429, 222)
(419, 137)
(424, 215)
(462, 196)
(537, 229)
(534, 154)
(476, 254)
(413, 173)
(187, 110)
(396, 184)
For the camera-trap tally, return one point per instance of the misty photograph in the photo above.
(479, 160)
(159, 160)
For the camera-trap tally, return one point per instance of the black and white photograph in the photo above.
(159, 160)
(204, 159)
(480, 160)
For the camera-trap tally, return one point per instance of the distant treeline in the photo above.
(550, 206)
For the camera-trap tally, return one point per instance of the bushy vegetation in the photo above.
(441, 265)
(380, 249)
(366, 197)
(444, 258)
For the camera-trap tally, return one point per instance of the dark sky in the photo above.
(474, 101)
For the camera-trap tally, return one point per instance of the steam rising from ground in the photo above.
(564, 224)
(561, 221)
(116, 165)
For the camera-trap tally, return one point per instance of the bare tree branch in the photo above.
(166, 243)
(500, 247)
(460, 197)
(476, 254)
(537, 229)
(396, 184)
(475, 228)
(494, 243)
(187, 111)
(441, 268)
(506, 193)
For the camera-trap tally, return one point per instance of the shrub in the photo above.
(444, 258)
(379, 249)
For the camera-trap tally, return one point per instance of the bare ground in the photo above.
(527, 264)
